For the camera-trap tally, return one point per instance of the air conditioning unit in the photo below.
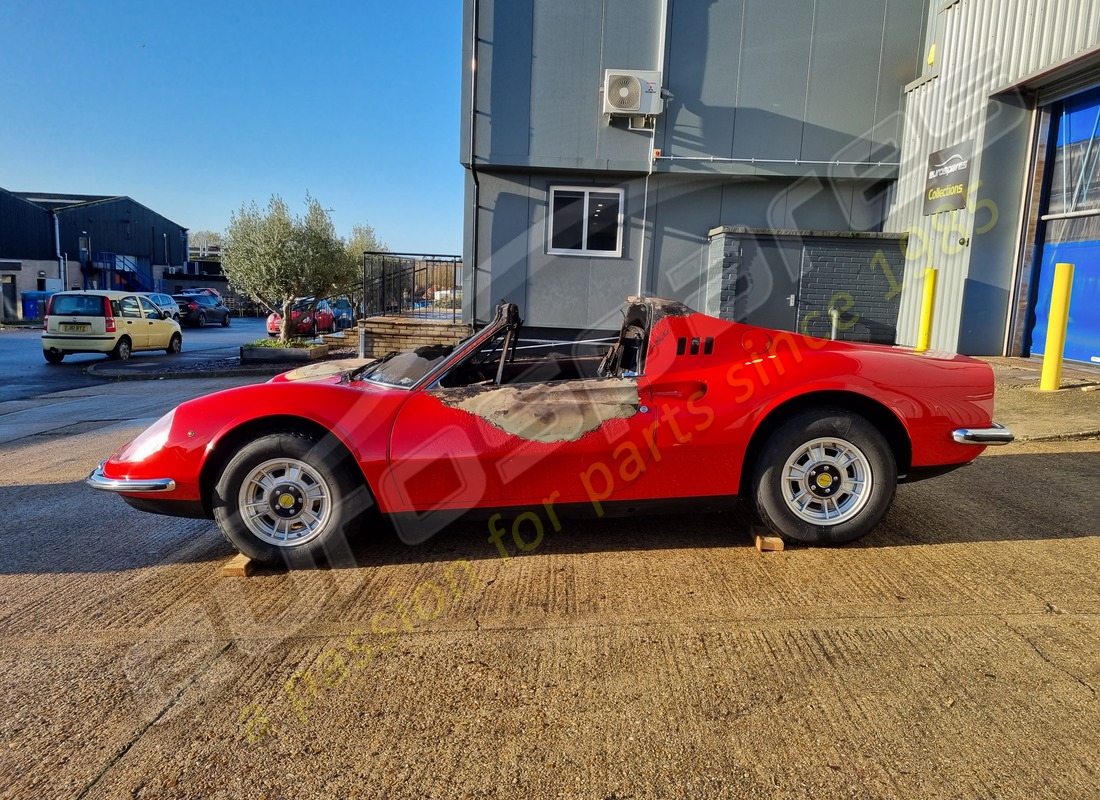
(632, 92)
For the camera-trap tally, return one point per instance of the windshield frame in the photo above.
(506, 315)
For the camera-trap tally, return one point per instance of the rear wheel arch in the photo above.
(885, 420)
(229, 444)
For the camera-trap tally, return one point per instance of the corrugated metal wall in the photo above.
(125, 227)
(983, 46)
(26, 230)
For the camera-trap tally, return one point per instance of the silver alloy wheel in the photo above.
(827, 481)
(285, 502)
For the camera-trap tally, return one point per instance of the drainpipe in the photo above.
(57, 250)
(475, 227)
(662, 45)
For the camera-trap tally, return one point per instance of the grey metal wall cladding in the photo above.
(122, 226)
(506, 57)
(26, 230)
(789, 80)
(586, 292)
(983, 47)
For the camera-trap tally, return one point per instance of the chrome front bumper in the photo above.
(998, 434)
(97, 480)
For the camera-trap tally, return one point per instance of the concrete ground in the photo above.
(951, 653)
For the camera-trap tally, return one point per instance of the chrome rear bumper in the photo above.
(97, 480)
(998, 434)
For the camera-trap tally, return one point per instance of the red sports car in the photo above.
(307, 318)
(814, 434)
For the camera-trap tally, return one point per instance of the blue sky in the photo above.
(193, 108)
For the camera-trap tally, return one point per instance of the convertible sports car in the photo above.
(815, 434)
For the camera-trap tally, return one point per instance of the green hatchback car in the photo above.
(114, 323)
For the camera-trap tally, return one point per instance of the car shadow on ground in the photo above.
(71, 528)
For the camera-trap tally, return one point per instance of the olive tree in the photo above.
(363, 239)
(277, 258)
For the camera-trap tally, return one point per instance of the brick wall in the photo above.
(860, 279)
(389, 334)
(858, 274)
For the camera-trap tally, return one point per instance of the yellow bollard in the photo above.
(927, 306)
(1057, 323)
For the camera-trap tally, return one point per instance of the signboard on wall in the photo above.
(948, 178)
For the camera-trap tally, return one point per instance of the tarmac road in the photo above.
(27, 375)
(952, 653)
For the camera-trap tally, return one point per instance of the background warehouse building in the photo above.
(53, 241)
(769, 161)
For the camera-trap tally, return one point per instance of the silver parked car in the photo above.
(165, 302)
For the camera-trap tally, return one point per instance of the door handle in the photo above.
(790, 300)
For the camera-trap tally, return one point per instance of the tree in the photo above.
(205, 241)
(277, 258)
(363, 239)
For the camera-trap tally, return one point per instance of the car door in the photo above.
(323, 316)
(158, 329)
(134, 323)
(472, 440)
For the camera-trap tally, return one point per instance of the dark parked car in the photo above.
(198, 309)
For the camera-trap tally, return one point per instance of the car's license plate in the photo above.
(75, 328)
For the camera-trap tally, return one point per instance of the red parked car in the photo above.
(306, 318)
(814, 434)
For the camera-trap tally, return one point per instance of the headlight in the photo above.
(149, 441)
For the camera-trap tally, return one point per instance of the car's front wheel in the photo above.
(225, 320)
(286, 498)
(825, 476)
(175, 345)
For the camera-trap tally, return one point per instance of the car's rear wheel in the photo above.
(313, 331)
(122, 349)
(175, 344)
(286, 498)
(53, 357)
(825, 476)
(201, 322)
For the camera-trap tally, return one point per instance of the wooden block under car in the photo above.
(240, 566)
(764, 543)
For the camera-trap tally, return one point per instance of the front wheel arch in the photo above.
(229, 443)
(874, 412)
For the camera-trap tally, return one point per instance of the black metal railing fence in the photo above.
(413, 285)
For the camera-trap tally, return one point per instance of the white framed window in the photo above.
(586, 220)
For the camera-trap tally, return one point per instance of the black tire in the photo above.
(175, 344)
(313, 330)
(53, 356)
(201, 321)
(291, 528)
(821, 463)
(122, 349)
(225, 320)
